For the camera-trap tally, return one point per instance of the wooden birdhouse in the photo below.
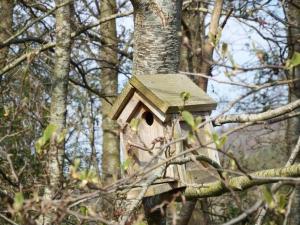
(149, 113)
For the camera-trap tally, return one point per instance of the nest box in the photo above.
(148, 111)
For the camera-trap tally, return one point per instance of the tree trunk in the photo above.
(208, 47)
(196, 51)
(58, 109)
(293, 130)
(109, 85)
(6, 21)
(156, 36)
(156, 50)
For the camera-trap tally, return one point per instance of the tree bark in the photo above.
(193, 29)
(195, 52)
(293, 129)
(109, 85)
(208, 47)
(242, 183)
(58, 108)
(156, 50)
(156, 37)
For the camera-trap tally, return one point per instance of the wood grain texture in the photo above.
(121, 101)
(162, 91)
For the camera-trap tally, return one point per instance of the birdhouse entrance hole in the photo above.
(148, 117)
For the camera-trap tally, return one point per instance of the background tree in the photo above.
(293, 129)
(109, 86)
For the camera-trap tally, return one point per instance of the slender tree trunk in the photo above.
(109, 85)
(6, 20)
(58, 109)
(208, 47)
(196, 51)
(293, 130)
(156, 50)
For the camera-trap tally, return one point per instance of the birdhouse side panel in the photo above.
(201, 172)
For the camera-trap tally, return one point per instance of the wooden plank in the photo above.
(157, 112)
(129, 109)
(121, 101)
(208, 140)
(179, 148)
(164, 91)
(148, 94)
(155, 189)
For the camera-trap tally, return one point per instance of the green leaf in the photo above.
(49, 131)
(189, 119)
(219, 141)
(215, 137)
(185, 96)
(61, 136)
(281, 203)
(267, 195)
(191, 138)
(294, 61)
(212, 38)
(222, 141)
(84, 210)
(232, 164)
(198, 120)
(18, 201)
(47, 134)
(224, 49)
(134, 124)
(126, 164)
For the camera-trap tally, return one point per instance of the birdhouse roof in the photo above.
(164, 92)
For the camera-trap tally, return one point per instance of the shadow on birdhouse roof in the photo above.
(164, 92)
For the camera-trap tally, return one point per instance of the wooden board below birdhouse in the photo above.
(156, 188)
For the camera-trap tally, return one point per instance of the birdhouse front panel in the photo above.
(142, 136)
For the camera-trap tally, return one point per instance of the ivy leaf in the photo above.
(189, 119)
(294, 61)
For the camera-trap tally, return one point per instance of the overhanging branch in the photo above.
(244, 118)
(242, 182)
